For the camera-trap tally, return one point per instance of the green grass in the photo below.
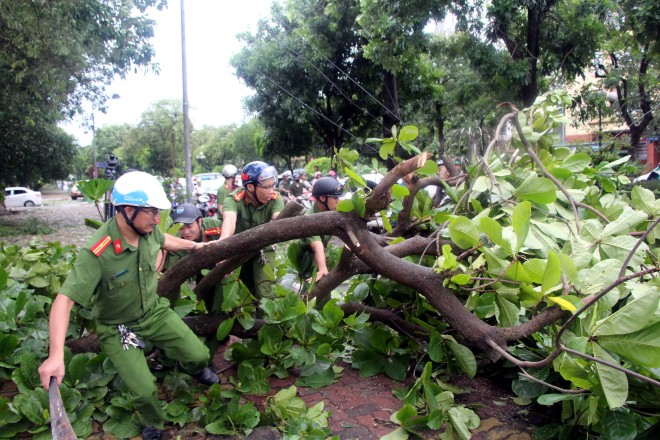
(31, 227)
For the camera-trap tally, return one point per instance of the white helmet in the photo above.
(139, 189)
(229, 171)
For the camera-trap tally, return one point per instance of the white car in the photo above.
(211, 182)
(18, 196)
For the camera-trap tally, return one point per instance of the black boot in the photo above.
(207, 377)
(151, 433)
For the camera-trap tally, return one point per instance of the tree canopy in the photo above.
(54, 55)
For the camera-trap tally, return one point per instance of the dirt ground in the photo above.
(59, 212)
(361, 407)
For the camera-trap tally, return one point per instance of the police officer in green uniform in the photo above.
(326, 192)
(115, 274)
(253, 205)
(195, 228)
(229, 172)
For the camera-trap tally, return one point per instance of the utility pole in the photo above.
(186, 129)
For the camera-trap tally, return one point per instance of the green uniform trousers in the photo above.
(165, 330)
(254, 276)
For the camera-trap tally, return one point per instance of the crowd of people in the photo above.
(116, 273)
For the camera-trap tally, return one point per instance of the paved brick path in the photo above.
(361, 407)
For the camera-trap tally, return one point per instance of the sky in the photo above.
(215, 95)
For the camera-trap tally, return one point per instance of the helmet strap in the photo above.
(129, 222)
(323, 202)
(254, 193)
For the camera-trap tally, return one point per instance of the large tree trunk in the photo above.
(530, 89)
(391, 97)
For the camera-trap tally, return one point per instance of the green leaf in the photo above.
(387, 149)
(435, 349)
(644, 200)
(625, 223)
(358, 203)
(396, 367)
(461, 279)
(551, 399)
(568, 267)
(460, 419)
(632, 317)
(398, 434)
(620, 425)
(577, 162)
(224, 328)
(538, 190)
(493, 231)
(520, 217)
(349, 156)
(449, 262)
(552, 274)
(463, 232)
(355, 178)
(369, 362)
(345, 206)
(408, 133)
(464, 357)
(384, 217)
(613, 382)
(508, 312)
(406, 413)
(642, 347)
(430, 168)
(318, 380)
(400, 191)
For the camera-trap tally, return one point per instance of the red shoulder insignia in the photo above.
(117, 246)
(213, 231)
(239, 195)
(99, 247)
(275, 196)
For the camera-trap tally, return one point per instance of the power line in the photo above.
(314, 110)
(336, 86)
(293, 31)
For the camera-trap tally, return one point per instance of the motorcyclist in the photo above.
(297, 187)
(229, 172)
(326, 192)
(284, 186)
(254, 204)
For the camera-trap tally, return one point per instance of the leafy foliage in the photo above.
(53, 57)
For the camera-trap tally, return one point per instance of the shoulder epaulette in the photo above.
(99, 247)
(213, 231)
(275, 196)
(239, 195)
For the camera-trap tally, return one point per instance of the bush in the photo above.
(324, 164)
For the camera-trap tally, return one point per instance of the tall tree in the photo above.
(629, 61)
(552, 38)
(303, 64)
(395, 39)
(53, 55)
(159, 136)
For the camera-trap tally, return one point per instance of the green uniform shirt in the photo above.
(117, 279)
(223, 192)
(247, 215)
(307, 241)
(210, 232)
